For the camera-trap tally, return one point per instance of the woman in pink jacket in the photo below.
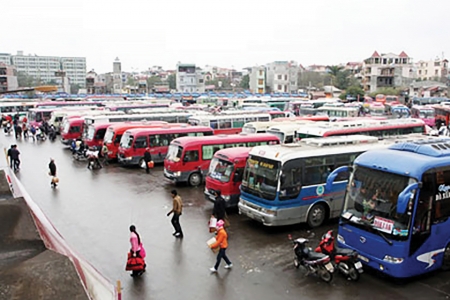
(137, 248)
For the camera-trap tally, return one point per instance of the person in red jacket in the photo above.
(222, 242)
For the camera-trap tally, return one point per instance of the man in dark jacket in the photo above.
(147, 159)
(219, 210)
(52, 172)
(14, 155)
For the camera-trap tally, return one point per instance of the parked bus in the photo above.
(286, 132)
(377, 109)
(59, 104)
(425, 113)
(228, 124)
(58, 115)
(37, 115)
(128, 105)
(378, 128)
(396, 209)
(400, 111)
(338, 111)
(115, 131)
(11, 108)
(442, 113)
(134, 142)
(225, 174)
(95, 134)
(72, 129)
(428, 100)
(308, 107)
(188, 158)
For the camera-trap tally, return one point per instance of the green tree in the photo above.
(152, 80)
(74, 88)
(353, 91)
(131, 81)
(340, 77)
(386, 91)
(25, 80)
(314, 79)
(172, 80)
(245, 82)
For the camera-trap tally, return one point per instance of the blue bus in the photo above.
(397, 207)
(284, 184)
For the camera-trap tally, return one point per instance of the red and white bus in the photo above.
(128, 105)
(442, 113)
(71, 129)
(134, 142)
(59, 104)
(95, 134)
(188, 158)
(115, 131)
(228, 124)
(378, 128)
(225, 174)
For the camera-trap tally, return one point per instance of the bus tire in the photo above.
(446, 259)
(316, 215)
(195, 179)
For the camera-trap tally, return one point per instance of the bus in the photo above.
(225, 174)
(134, 142)
(285, 184)
(11, 108)
(442, 113)
(128, 105)
(37, 115)
(71, 129)
(58, 115)
(377, 128)
(338, 111)
(400, 111)
(188, 158)
(309, 107)
(59, 104)
(397, 207)
(115, 131)
(377, 109)
(286, 132)
(424, 113)
(95, 134)
(228, 124)
(428, 100)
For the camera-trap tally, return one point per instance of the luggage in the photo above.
(135, 263)
(55, 179)
(151, 164)
(212, 224)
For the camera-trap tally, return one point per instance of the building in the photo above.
(282, 77)
(5, 58)
(48, 68)
(189, 79)
(436, 70)
(8, 78)
(317, 68)
(257, 79)
(117, 76)
(387, 70)
(427, 89)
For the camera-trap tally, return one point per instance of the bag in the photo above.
(212, 224)
(134, 263)
(150, 164)
(212, 241)
(55, 179)
(142, 253)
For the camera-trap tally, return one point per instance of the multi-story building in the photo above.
(8, 78)
(49, 68)
(117, 76)
(387, 70)
(282, 77)
(5, 58)
(189, 79)
(436, 70)
(257, 81)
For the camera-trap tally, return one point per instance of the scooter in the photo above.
(313, 262)
(344, 260)
(8, 129)
(80, 155)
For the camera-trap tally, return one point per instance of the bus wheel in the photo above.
(446, 260)
(195, 179)
(316, 215)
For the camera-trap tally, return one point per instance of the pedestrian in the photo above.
(222, 242)
(219, 211)
(137, 250)
(15, 158)
(176, 210)
(104, 154)
(25, 130)
(9, 156)
(52, 172)
(147, 159)
(33, 132)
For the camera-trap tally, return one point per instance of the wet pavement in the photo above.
(93, 210)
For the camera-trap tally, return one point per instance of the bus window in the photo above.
(291, 183)
(238, 122)
(225, 124)
(442, 206)
(165, 140)
(140, 142)
(155, 140)
(191, 156)
(75, 129)
(208, 151)
(183, 119)
(214, 124)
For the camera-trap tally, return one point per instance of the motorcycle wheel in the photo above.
(353, 274)
(325, 275)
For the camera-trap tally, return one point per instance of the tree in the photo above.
(386, 91)
(314, 79)
(245, 82)
(25, 80)
(131, 81)
(152, 80)
(353, 91)
(172, 80)
(341, 77)
(74, 88)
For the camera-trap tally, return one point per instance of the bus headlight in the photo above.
(393, 260)
(269, 211)
(226, 197)
(177, 174)
(340, 239)
(129, 158)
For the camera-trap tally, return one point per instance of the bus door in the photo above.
(159, 144)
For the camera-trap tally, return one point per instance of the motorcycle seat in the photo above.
(343, 251)
(315, 255)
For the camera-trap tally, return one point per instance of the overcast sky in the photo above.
(231, 33)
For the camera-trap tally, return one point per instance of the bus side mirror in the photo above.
(332, 176)
(405, 196)
(236, 177)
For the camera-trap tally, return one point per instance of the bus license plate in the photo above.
(363, 258)
(329, 267)
(358, 265)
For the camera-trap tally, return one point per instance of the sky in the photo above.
(231, 33)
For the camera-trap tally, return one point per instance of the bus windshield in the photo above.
(371, 202)
(174, 153)
(220, 169)
(261, 177)
(278, 134)
(426, 113)
(126, 141)
(108, 136)
(90, 133)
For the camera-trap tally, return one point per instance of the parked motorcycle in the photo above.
(313, 262)
(79, 155)
(8, 129)
(344, 260)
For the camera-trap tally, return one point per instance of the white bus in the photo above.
(228, 124)
(338, 111)
(286, 132)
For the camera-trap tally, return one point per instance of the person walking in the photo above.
(52, 172)
(176, 210)
(15, 158)
(222, 242)
(219, 210)
(9, 156)
(147, 159)
(104, 154)
(137, 249)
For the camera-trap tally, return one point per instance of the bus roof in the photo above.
(423, 107)
(222, 117)
(338, 108)
(310, 118)
(323, 127)
(129, 124)
(428, 153)
(181, 128)
(289, 126)
(223, 138)
(135, 116)
(233, 153)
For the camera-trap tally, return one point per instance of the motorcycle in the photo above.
(8, 129)
(40, 137)
(313, 262)
(80, 155)
(344, 260)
